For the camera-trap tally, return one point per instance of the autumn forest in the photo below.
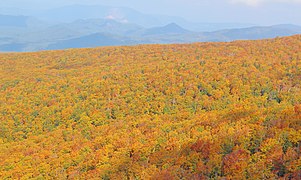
(225, 110)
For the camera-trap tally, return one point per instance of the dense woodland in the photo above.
(187, 111)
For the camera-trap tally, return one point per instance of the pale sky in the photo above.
(265, 12)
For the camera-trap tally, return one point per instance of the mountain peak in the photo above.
(171, 28)
(173, 25)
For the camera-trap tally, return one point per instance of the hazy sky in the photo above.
(245, 11)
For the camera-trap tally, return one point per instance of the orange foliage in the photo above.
(228, 110)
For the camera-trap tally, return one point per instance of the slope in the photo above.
(93, 40)
(195, 111)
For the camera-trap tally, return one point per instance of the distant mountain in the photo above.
(92, 33)
(79, 28)
(69, 14)
(103, 26)
(13, 21)
(122, 14)
(17, 11)
(119, 14)
(169, 29)
(12, 27)
(253, 33)
(89, 26)
(19, 21)
(203, 27)
(12, 47)
(92, 40)
(173, 33)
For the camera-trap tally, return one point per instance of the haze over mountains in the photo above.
(90, 26)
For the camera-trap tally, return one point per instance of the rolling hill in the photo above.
(124, 26)
(227, 110)
(81, 31)
(253, 33)
(92, 40)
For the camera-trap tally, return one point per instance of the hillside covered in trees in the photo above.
(187, 111)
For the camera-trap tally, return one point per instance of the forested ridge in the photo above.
(184, 111)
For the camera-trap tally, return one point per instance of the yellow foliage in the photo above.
(228, 110)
